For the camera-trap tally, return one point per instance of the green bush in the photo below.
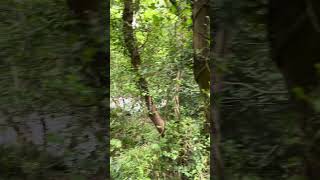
(142, 154)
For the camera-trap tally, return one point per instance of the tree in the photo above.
(133, 50)
(207, 76)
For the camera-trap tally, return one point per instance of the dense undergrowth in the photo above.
(138, 152)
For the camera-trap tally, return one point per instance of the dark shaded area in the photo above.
(294, 33)
(270, 89)
(54, 90)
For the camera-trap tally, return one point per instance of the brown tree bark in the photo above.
(200, 16)
(131, 45)
(176, 98)
(201, 69)
(218, 51)
(204, 74)
(294, 35)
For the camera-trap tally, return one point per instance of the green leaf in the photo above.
(116, 143)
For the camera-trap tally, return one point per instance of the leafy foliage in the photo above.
(137, 151)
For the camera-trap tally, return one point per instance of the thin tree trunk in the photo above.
(217, 168)
(176, 96)
(132, 48)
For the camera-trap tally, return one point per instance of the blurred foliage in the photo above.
(34, 164)
(51, 63)
(259, 129)
(45, 56)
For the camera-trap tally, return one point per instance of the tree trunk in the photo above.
(200, 16)
(95, 71)
(218, 49)
(132, 48)
(201, 69)
(176, 96)
(203, 75)
(295, 34)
